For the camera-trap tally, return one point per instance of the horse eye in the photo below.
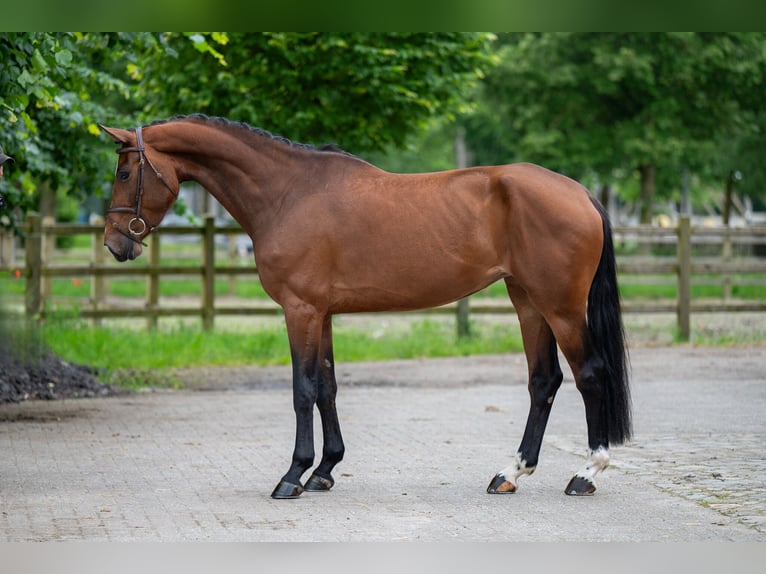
(123, 175)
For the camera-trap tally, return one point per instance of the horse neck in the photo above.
(247, 175)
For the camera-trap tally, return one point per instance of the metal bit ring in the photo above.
(134, 231)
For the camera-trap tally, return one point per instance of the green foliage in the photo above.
(605, 104)
(54, 87)
(430, 150)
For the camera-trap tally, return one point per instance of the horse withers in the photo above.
(334, 234)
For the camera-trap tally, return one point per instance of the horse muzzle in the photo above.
(122, 248)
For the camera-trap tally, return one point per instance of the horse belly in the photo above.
(406, 247)
(411, 280)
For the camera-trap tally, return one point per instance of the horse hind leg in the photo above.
(588, 371)
(545, 378)
(597, 354)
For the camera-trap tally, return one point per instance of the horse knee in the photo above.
(333, 452)
(304, 397)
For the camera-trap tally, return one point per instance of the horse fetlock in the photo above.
(598, 460)
(332, 455)
(506, 480)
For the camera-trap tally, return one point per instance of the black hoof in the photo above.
(580, 486)
(287, 490)
(317, 483)
(500, 485)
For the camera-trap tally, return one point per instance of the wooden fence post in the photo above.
(231, 242)
(98, 283)
(684, 277)
(208, 273)
(726, 256)
(33, 261)
(463, 318)
(48, 248)
(153, 281)
(462, 159)
(7, 249)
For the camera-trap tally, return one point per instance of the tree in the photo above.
(616, 104)
(362, 91)
(53, 90)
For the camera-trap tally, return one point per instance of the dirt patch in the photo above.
(41, 416)
(46, 377)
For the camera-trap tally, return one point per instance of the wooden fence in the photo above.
(692, 252)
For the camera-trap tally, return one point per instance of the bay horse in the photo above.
(334, 234)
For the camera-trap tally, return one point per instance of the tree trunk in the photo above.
(727, 199)
(47, 200)
(726, 248)
(604, 195)
(648, 188)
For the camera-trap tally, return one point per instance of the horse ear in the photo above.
(119, 136)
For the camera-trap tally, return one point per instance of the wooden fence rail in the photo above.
(680, 264)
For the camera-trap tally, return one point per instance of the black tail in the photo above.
(607, 338)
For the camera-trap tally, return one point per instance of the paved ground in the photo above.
(423, 439)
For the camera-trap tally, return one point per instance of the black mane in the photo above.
(258, 131)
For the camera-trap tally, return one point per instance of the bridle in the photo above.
(137, 226)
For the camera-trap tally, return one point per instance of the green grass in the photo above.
(182, 346)
(136, 288)
(705, 287)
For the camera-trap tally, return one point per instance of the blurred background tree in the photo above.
(53, 90)
(361, 91)
(635, 109)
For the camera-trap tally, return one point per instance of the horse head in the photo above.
(140, 197)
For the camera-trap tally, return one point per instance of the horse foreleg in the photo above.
(304, 330)
(545, 378)
(333, 449)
